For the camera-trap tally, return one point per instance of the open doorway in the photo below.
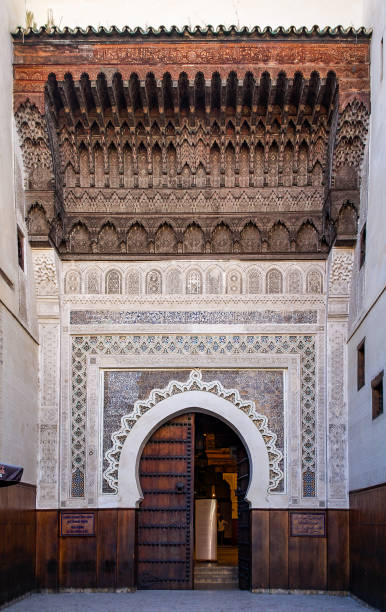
(189, 459)
(215, 487)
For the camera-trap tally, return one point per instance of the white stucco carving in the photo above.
(45, 272)
(172, 278)
(194, 393)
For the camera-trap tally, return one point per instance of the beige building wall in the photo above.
(18, 329)
(367, 456)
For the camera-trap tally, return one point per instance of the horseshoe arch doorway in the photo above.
(191, 457)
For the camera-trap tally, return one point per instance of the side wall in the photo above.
(367, 457)
(18, 345)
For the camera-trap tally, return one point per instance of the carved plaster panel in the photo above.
(213, 278)
(341, 263)
(290, 364)
(48, 462)
(340, 269)
(198, 350)
(46, 277)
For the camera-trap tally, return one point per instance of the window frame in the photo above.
(362, 247)
(20, 249)
(377, 395)
(361, 364)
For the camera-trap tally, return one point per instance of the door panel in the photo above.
(165, 517)
(244, 532)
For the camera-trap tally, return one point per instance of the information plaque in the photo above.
(308, 524)
(77, 524)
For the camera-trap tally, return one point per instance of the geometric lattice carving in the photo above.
(93, 281)
(72, 282)
(153, 282)
(113, 282)
(194, 282)
(274, 281)
(133, 283)
(254, 281)
(314, 282)
(174, 281)
(184, 345)
(214, 281)
(294, 281)
(234, 282)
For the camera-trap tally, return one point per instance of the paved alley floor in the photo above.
(184, 601)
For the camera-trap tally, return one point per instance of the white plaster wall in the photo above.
(10, 15)
(18, 397)
(375, 17)
(367, 437)
(181, 12)
(18, 345)
(367, 456)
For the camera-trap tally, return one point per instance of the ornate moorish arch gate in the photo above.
(192, 201)
(165, 568)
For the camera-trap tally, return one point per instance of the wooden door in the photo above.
(243, 523)
(165, 517)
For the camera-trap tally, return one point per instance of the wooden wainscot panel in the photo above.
(78, 552)
(126, 548)
(17, 540)
(368, 545)
(278, 549)
(260, 549)
(338, 550)
(311, 524)
(47, 549)
(307, 551)
(107, 549)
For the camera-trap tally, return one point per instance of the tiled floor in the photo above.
(181, 601)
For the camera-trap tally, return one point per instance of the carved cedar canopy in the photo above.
(252, 148)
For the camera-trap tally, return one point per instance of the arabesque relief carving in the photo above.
(143, 163)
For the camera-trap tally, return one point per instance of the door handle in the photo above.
(180, 487)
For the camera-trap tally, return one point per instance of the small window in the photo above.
(20, 248)
(377, 395)
(361, 364)
(362, 255)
